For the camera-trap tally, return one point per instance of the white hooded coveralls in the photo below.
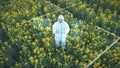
(63, 29)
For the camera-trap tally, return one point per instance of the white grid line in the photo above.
(102, 53)
(54, 11)
(57, 6)
(68, 12)
(95, 25)
(71, 13)
(106, 31)
(105, 49)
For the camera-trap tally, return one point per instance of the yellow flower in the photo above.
(59, 64)
(36, 61)
(48, 28)
(31, 58)
(33, 43)
(84, 56)
(96, 18)
(93, 39)
(41, 66)
(49, 53)
(105, 20)
(43, 39)
(35, 49)
(102, 14)
(87, 50)
(17, 24)
(54, 60)
(26, 63)
(65, 57)
(27, 12)
(76, 61)
(17, 65)
(3, 48)
(83, 6)
(53, 16)
(6, 43)
(45, 9)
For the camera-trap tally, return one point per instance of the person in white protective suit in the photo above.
(60, 29)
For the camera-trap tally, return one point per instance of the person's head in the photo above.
(60, 18)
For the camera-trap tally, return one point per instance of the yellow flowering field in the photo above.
(27, 41)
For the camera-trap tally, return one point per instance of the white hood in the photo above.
(61, 17)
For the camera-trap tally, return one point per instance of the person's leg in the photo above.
(63, 41)
(64, 44)
(57, 43)
(57, 40)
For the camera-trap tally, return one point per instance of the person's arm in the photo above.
(67, 29)
(54, 28)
